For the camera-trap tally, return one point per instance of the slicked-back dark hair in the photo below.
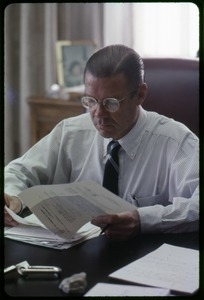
(115, 59)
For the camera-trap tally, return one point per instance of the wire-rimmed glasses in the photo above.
(110, 104)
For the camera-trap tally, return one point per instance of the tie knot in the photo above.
(113, 147)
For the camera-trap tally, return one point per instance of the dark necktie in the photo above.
(110, 179)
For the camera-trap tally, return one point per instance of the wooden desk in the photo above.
(97, 257)
(45, 113)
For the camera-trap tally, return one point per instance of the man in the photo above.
(158, 157)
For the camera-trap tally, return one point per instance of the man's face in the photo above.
(113, 124)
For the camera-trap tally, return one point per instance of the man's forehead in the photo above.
(105, 81)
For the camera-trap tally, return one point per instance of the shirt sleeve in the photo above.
(36, 166)
(182, 213)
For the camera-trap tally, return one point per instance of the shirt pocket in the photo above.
(147, 201)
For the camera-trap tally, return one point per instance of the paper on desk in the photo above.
(62, 214)
(171, 267)
(34, 234)
(31, 230)
(65, 208)
(108, 289)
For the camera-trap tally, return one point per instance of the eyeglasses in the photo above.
(110, 104)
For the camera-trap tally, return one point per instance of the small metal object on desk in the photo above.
(23, 264)
(38, 271)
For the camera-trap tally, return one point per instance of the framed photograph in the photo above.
(71, 59)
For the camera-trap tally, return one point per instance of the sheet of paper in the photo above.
(64, 208)
(29, 220)
(171, 267)
(107, 289)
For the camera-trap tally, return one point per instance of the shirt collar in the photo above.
(131, 140)
(105, 144)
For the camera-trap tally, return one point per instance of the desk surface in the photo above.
(97, 257)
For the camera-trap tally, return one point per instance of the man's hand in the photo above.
(15, 205)
(122, 226)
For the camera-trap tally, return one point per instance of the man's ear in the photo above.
(141, 93)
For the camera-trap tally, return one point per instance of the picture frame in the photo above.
(71, 60)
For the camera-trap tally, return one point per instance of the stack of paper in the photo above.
(62, 213)
(31, 230)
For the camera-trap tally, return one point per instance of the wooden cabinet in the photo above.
(47, 112)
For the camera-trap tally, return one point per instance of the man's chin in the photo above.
(105, 134)
(106, 131)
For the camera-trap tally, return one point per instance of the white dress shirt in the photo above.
(158, 167)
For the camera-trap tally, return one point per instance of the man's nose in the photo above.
(100, 109)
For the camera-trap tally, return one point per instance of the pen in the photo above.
(104, 229)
